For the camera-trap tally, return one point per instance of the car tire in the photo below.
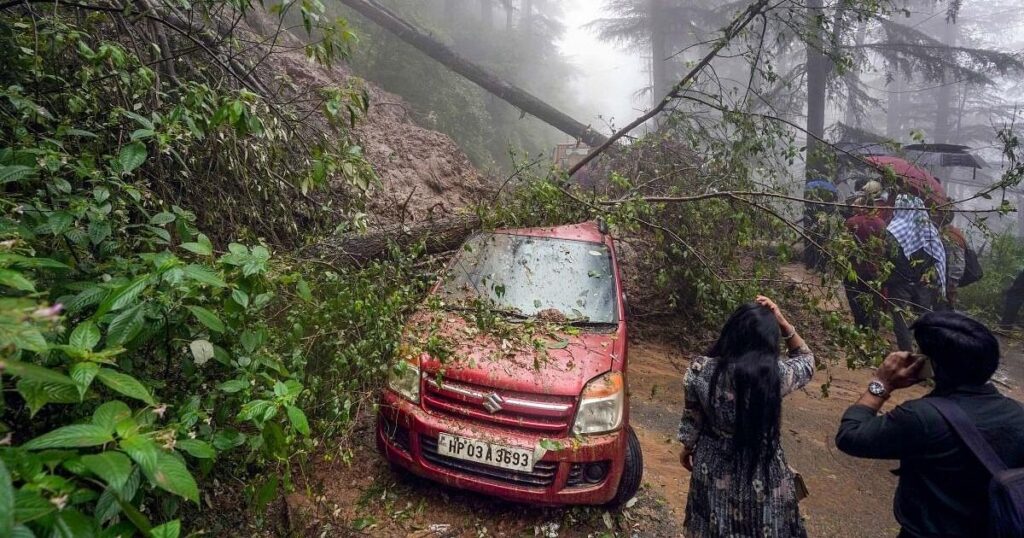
(632, 472)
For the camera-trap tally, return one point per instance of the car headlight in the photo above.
(601, 405)
(404, 378)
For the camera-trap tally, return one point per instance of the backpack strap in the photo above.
(969, 433)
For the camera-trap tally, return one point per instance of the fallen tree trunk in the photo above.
(441, 235)
(501, 88)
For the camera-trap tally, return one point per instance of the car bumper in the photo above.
(406, 435)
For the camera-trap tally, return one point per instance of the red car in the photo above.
(512, 378)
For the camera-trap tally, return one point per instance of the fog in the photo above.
(608, 78)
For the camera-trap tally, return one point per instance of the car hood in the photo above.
(531, 358)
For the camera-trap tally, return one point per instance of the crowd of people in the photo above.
(961, 447)
(928, 257)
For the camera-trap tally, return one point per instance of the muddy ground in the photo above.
(850, 498)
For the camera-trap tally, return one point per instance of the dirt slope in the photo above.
(423, 173)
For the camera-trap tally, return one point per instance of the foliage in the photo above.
(1001, 263)
(135, 350)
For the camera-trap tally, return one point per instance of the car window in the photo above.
(532, 276)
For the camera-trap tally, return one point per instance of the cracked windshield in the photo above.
(555, 279)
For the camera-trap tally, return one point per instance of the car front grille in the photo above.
(397, 435)
(522, 411)
(542, 476)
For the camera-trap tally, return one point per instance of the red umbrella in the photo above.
(913, 178)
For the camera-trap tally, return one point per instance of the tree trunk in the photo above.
(505, 90)
(509, 15)
(438, 236)
(527, 17)
(817, 71)
(451, 9)
(660, 84)
(852, 118)
(944, 95)
(894, 106)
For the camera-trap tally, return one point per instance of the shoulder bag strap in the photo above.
(969, 433)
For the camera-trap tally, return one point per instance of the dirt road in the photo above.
(849, 498)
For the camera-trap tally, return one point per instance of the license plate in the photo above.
(506, 457)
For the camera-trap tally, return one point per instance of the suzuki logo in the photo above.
(492, 402)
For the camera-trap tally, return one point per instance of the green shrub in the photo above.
(1001, 264)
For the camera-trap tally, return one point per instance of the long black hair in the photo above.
(748, 351)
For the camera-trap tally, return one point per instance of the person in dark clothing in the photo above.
(1014, 300)
(917, 254)
(816, 220)
(943, 488)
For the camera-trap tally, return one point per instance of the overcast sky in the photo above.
(609, 77)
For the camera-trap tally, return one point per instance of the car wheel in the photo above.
(632, 471)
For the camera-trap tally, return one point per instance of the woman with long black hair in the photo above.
(740, 484)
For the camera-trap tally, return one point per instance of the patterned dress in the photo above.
(720, 503)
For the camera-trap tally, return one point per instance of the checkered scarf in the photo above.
(914, 231)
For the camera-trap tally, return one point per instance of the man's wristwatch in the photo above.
(877, 388)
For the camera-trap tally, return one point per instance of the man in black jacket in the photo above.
(942, 488)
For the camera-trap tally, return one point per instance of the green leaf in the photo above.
(73, 436)
(203, 275)
(85, 336)
(162, 218)
(143, 121)
(26, 262)
(202, 246)
(98, 232)
(30, 506)
(6, 501)
(110, 413)
(548, 444)
(142, 134)
(133, 514)
(171, 529)
(234, 385)
(196, 448)
(70, 523)
(170, 474)
(123, 296)
(257, 411)
(83, 373)
(30, 339)
(298, 420)
(126, 326)
(85, 298)
(304, 293)
(15, 172)
(14, 279)
(363, 523)
(21, 531)
(265, 493)
(207, 318)
(228, 439)
(39, 393)
(142, 450)
(27, 370)
(240, 297)
(113, 467)
(132, 156)
(561, 344)
(125, 384)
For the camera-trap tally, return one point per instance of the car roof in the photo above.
(584, 231)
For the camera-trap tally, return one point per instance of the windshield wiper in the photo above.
(499, 311)
(588, 323)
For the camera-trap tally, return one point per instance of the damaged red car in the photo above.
(512, 378)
